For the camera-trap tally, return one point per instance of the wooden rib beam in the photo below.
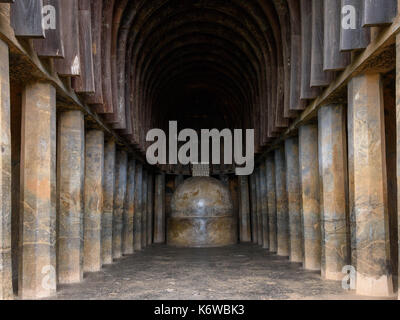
(71, 64)
(35, 68)
(26, 18)
(358, 38)
(52, 46)
(371, 56)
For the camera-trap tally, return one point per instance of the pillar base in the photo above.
(296, 260)
(333, 276)
(311, 268)
(70, 279)
(374, 287)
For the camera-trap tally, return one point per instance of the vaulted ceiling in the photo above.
(226, 62)
(205, 63)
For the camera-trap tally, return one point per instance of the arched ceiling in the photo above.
(225, 62)
(139, 64)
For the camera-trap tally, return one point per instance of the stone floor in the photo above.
(232, 273)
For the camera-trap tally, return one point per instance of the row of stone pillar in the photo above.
(101, 206)
(321, 198)
(84, 201)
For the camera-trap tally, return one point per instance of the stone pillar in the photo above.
(129, 210)
(352, 218)
(282, 215)
(137, 221)
(398, 146)
(367, 128)
(159, 209)
(6, 291)
(108, 204)
(271, 182)
(259, 208)
(178, 180)
(264, 206)
(244, 210)
(94, 177)
(144, 209)
(121, 168)
(309, 177)
(150, 208)
(37, 276)
(254, 221)
(234, 191)
(294, 199)
(70, 172)
(332, 167)
(224, 179)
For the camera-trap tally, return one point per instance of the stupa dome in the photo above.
(201, 214)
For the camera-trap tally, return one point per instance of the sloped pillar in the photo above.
(254, 221)
(37, 277)
(282, 211)
(108, 203)
(144, 209)
(6, 291)
(271, 191)
(137, 221)
(159, 209)
(150, 208)
(333, 172)
(264, 206)
(94, 177)
(367, 127)
(309, 177)
(119, 201)
(294, 199)
(244, 210)
(129, 210)
(71, 169)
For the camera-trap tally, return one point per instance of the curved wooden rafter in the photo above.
(248, 55)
